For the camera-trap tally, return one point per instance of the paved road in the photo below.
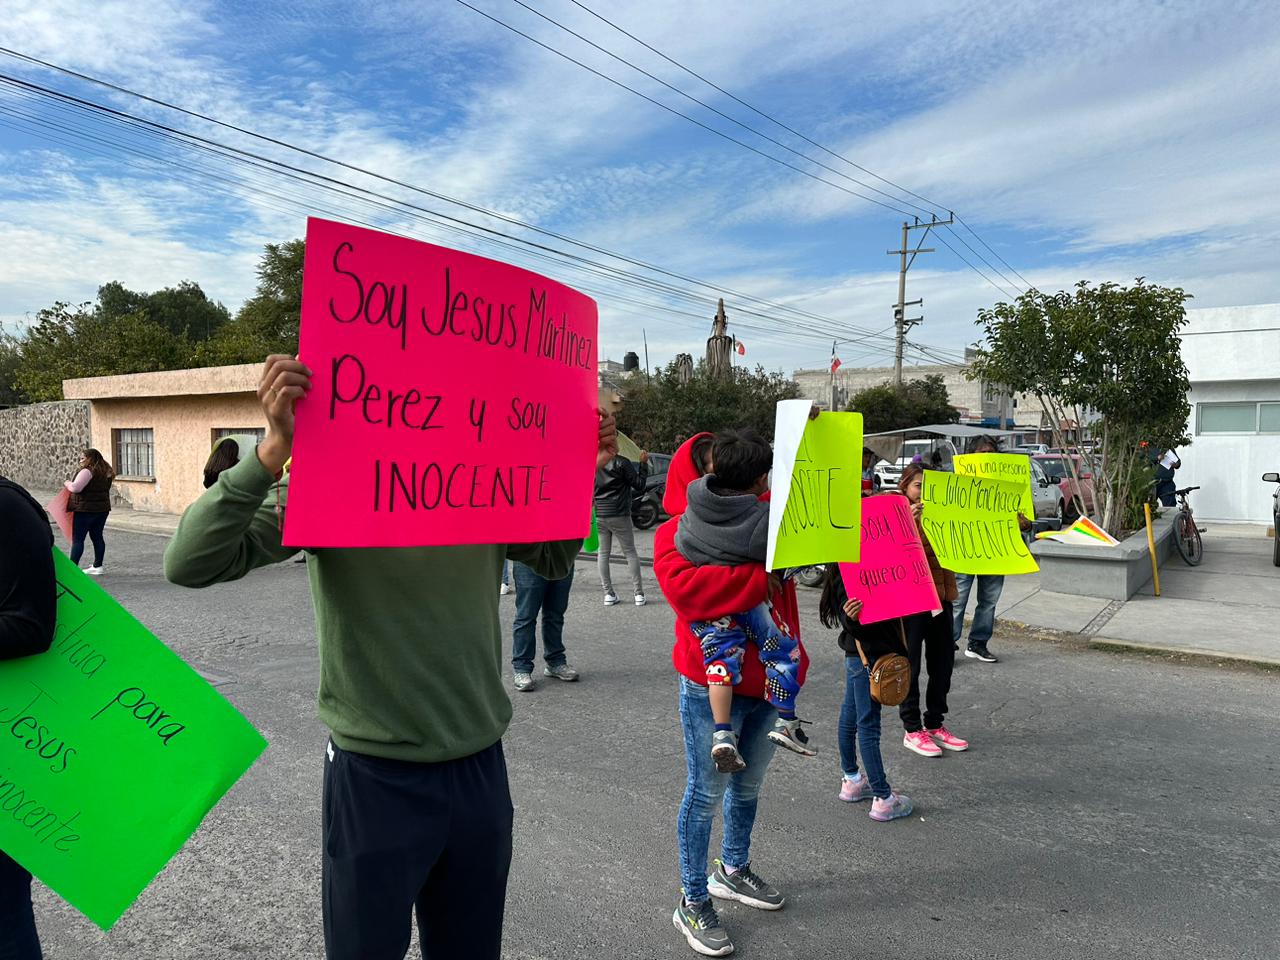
(1111, 806)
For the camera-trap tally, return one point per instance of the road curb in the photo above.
(1016, 630)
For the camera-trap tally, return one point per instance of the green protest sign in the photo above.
(1009, 467)
(815, 507)
(112, 750)
(972, 524)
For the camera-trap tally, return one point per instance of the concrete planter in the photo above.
(1116, 573)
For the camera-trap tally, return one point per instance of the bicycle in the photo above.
(1186, 535)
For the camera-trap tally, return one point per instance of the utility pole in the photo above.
(900, 322)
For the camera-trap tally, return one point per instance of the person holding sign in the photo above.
(28, 601)
(727, 524)
(417, 807)
(929, 644)
(990, 586)
(860, 713)
(707, 593)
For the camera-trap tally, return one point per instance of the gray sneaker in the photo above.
(700, 925)
(524, 682)
(724, 751)
(561, 671)
(744, 886)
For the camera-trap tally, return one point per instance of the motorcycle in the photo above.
(810, 576)
(646, 507)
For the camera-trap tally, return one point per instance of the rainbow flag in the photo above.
(1083, 531)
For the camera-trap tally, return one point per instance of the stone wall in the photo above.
(40, 443)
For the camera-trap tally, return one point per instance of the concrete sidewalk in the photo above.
(1228, 608)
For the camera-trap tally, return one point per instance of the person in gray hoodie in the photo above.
(727, 524)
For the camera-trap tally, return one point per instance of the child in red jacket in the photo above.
(726, 524)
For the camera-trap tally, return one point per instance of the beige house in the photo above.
(157, 428)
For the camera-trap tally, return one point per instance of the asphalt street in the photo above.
(1111, 806)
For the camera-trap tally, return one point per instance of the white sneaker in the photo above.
(640, 600)
(93, 571)
(504, 589)
(610, 599)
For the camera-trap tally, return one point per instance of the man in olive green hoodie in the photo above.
(417, 809)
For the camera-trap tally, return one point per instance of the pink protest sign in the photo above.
(892, 579)
(57, 509)
(453, 398)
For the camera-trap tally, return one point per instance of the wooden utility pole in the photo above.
(900, 322)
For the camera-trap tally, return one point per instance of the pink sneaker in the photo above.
(948, 740)
(891, 808)
(851, 791)
(921, 743)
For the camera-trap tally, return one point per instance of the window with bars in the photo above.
(135, 449)
(259, 433)
(1247, 417)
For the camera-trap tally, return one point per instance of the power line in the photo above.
(670, 109)
(720, 289)
(720, 113)
(933, 205)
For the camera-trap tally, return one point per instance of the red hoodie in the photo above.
(708, 592)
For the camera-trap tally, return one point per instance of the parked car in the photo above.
(1074, 492)
(1046, 493)
(925, 448)
(1275, 516)
(1029, 448)
(646, 507)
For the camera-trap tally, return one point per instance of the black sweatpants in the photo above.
(430, 836)
(18, 940)
(929, 640)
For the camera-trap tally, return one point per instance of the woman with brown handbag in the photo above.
(863, 645)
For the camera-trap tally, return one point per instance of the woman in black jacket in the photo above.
(859, 714)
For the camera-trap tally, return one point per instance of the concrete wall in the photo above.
(183, 429)
(1232, 354)
(40, 444)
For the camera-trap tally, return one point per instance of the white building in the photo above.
(1233, 356)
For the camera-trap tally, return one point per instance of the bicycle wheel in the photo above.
(1186, 537)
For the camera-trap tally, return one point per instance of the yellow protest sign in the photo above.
(815, 511)
(972, 524)
(1009, 467)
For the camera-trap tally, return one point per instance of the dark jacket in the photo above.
(28, 591)
(877, 639)
(722, 528)
(94, 498)
(616, 483)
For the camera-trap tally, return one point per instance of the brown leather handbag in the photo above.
(890, 675)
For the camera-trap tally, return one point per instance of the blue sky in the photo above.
(1082, 141)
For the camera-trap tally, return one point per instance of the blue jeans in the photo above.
(534, 593)
(506, 572)
(90, 525)
(860, 722)
(708, 790)
(984, 614)
(18, 940)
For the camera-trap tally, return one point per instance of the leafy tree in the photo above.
(1108, 354)
(184, 310)
(10, 359)
(914, 404)
(67, 342)
(661, 414)
(268, 321)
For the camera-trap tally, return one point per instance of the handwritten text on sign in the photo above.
(112, 750)
(972, 524)
(815, 504)
(1010, 467)
(892, 578)
(453, 398)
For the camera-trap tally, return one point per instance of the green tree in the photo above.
(184, 310)
(268, 321)
(661, 414)
(66, 342)
(10, 360)
(1109, 355)
(914, 404)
